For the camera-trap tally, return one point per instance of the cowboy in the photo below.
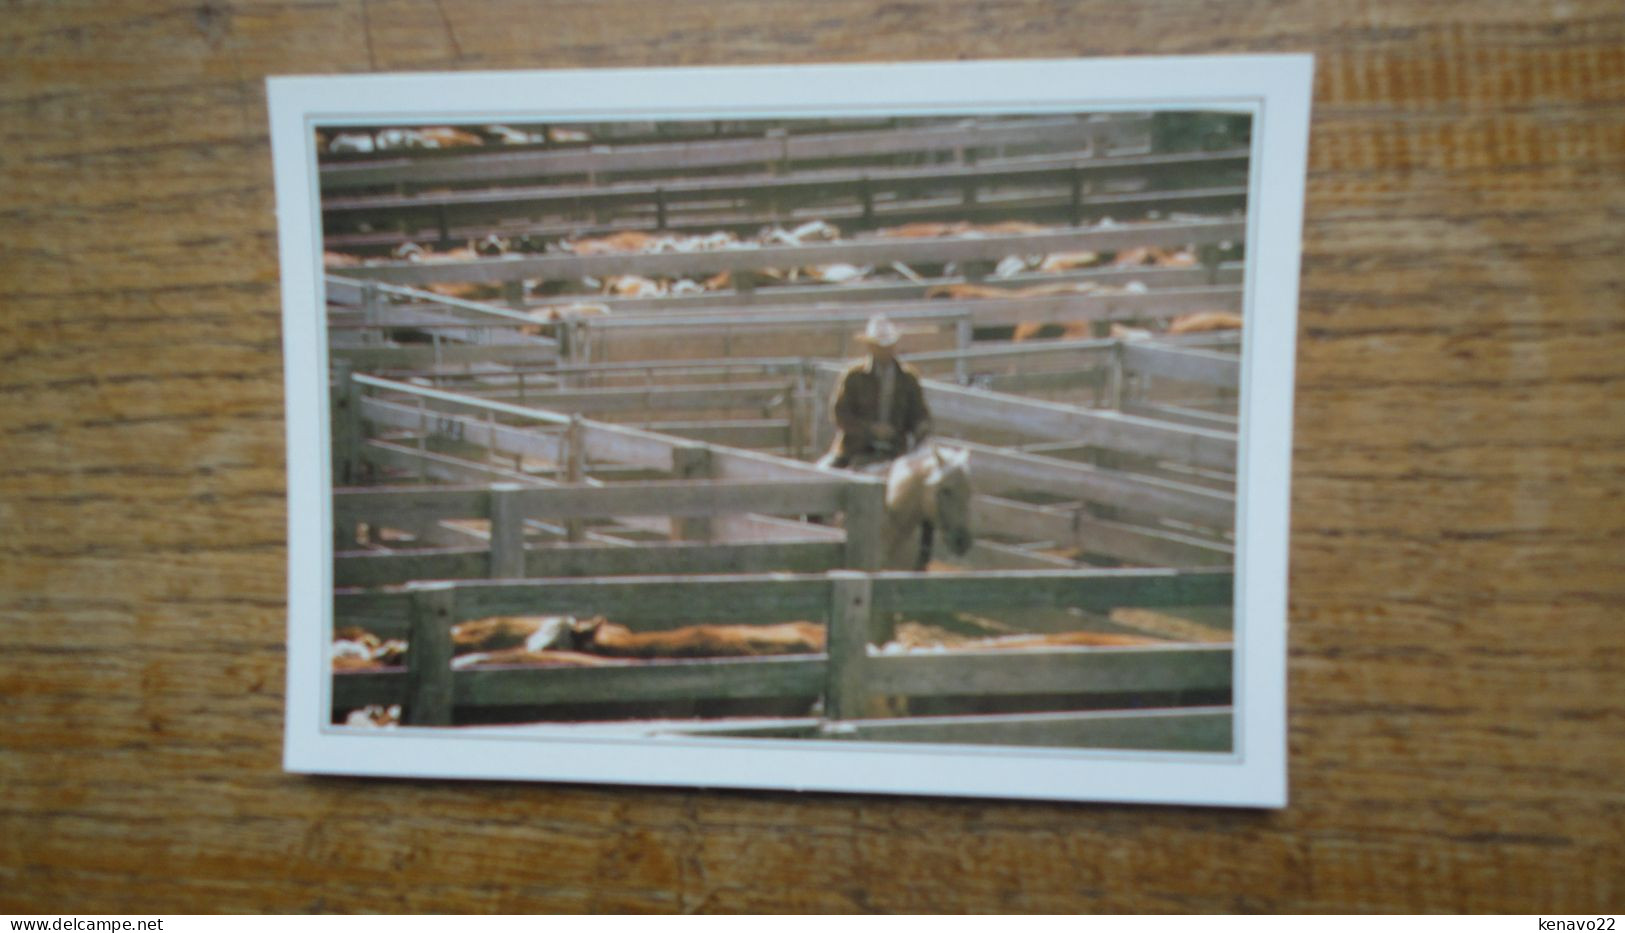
(879, 406)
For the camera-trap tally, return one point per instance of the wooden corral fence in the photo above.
(1093, 182)
(988, 248)
(848, 676)
(363, 318)
(565, 440)
(1117, 371)
(1139, 508)
(509, 508)
(541, 404)
(897, 290)
(726, 507)
(1179, 729)
(828, 329)
(772, 149)
(1141, 488)
(466, 333)
(1062, 169)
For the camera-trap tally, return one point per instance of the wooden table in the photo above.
(1458, 717)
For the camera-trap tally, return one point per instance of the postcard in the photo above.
(906, 429)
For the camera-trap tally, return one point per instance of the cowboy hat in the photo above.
(881, 332)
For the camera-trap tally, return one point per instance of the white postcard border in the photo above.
(1274, 88)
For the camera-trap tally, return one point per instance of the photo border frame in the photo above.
(1275, 89)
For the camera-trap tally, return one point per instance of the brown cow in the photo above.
(566, 134)
(1008, 227)
(602, 637)
(497, 633)
(1155, 256)
(926, 229)
(972, 290)
(1174, 259)
(918, 636)
(375, 717)
(1063, 262)
(356, 649)
(467, 291)
(635, 286)
(540, 640)
(1122, 331)
(962, 291)
(1204, 321)
(626, 241)
(553, 314)
(565, 640)
(447, 137)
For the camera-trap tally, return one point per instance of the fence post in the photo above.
(1076, 180)
(346, 426)
(1210, 256)
(744, 281)
(562, 332)
(575, 468)
(1114, 379)
(823, 420)
(795, 431)
(691, 461)
(428, 655)
(865, 509)
(962, 342)
(580, 341)
(371, 313)
(507, 532)
(490, 436)
(847, 645)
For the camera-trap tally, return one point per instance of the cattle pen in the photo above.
(583, 372)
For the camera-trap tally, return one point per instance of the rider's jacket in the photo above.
(857, 409)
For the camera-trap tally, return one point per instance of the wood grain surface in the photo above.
(1457, 643)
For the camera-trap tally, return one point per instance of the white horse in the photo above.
(928, 492)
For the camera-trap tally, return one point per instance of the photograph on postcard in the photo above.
(611, 399)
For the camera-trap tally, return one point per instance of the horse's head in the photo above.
(948, 504)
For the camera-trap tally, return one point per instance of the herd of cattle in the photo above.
(396, 139)
(636, 242)
(564, 641)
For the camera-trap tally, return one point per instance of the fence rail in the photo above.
(1204, 729)
(1203, 169)
(850, 602)
(1152, 277)
(866, 252)
(485, 166)
(546, 436)
(1184, 364)
(596, 440)
(367, 569)
(961, 409)
(1050, 204)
